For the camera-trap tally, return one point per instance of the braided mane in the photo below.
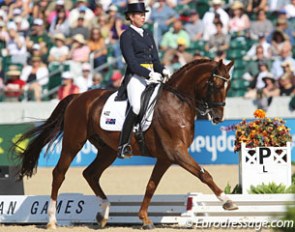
(187, 66)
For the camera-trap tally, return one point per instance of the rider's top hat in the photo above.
(136, 7)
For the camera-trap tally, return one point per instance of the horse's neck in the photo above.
(191, 80)
(187, 83)
(180, 103)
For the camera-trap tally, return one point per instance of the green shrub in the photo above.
(227, 189)
(237, 189)
(289, 215)
(271, 188)
(263, 188)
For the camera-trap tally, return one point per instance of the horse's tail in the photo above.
(46, 133)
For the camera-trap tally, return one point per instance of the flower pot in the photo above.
(264, 165)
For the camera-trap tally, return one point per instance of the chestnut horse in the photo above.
(200, 85)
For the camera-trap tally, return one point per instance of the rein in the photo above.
(178, 94)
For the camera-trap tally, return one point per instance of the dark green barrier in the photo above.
(8, 134)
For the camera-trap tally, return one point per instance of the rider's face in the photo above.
(137, 19)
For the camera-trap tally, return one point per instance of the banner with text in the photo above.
(212, 144)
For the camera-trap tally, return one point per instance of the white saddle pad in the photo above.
(113, 113)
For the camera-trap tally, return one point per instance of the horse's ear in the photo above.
(229, 65)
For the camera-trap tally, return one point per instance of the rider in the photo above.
(143, 67)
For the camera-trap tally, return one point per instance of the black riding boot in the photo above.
(125, 149)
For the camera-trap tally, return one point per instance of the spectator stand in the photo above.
(237, 49)
(107, 69)
(202, 7)
(55, 80)
(239, 45)
(55, 74)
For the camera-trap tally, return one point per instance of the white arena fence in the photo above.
(188, 210)
(79, 208)
(205, 209)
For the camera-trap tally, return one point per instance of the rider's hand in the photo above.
(155, 77)
(166, 72)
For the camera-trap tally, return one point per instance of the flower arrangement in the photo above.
(262, 132)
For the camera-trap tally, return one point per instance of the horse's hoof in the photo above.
(51, 226)
(148, 227)
(230, 205)
(101, 221)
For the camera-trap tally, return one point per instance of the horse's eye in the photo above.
(220, 84)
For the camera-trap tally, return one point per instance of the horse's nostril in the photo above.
(217, 119)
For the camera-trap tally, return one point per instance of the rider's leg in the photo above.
(135, 88)
(124, 146)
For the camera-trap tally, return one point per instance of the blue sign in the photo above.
(212, 144)
(85, 156)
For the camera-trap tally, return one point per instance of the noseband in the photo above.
(206, 104)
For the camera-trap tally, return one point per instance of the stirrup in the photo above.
(125, 151)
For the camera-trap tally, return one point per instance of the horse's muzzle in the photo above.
(216, 115)
(217, 120)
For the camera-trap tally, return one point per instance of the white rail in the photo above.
(164, 209)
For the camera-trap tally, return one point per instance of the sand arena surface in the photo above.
(127, 181)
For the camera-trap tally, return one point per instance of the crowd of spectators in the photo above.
(38, 37)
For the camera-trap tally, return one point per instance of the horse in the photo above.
(199, 86)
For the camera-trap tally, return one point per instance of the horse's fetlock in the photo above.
(142, 215)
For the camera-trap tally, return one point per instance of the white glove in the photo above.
(155, 77)
(166, 73)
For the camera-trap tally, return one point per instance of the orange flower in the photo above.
(261, 132)
(264, 133)
(259, 113)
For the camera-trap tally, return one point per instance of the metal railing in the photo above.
(50, 92)
(54, 90)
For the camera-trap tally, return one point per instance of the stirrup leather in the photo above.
(125, 151)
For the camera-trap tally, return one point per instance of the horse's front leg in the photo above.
(158, 171)
(189, 164)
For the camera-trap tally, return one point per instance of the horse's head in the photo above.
(211, 93)
(204, 82)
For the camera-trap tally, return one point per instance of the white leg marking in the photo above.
(222, 197)
(52, 212)
(105, 205)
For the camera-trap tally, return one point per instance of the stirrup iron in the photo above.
(125, 151)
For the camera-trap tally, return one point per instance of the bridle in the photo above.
(206, 104)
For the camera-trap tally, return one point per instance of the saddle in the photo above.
(114, 112)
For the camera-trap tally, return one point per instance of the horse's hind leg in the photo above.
(158, 171)
(93, 173)
(188, 163)
(68, 153)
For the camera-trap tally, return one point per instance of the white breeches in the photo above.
(135, 88)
